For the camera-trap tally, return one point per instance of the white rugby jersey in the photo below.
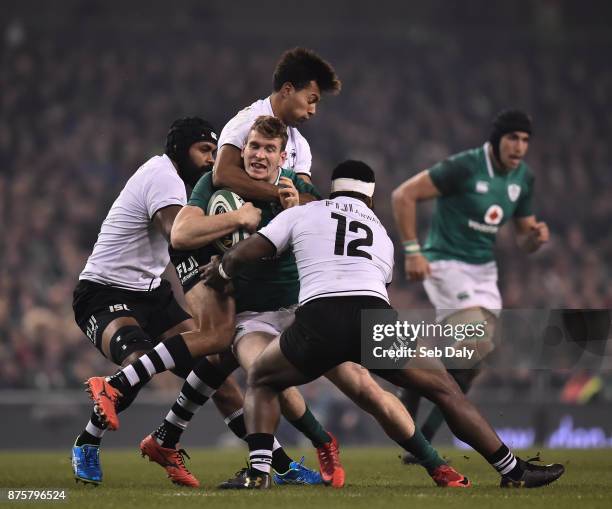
(340, 246)
(130, 251)
(235, 132)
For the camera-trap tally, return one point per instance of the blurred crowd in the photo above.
(76, 120)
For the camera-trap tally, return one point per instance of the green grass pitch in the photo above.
(375, 479)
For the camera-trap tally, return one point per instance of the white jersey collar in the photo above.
(278, 176)
(268, 105)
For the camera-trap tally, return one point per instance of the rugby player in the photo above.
(345, 261)
(476, 193)
(121, 302)
(300, 79)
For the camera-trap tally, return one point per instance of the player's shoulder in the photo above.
(158, 170)
(299, 138)
(303, 151)
(236, 129)
(304, 211)
(202, 191)
(157, 164)
(250, 113)
(205, 182)
(470, 158)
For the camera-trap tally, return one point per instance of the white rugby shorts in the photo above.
(268, 322)
(455, 285)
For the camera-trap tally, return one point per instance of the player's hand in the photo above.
(287, 193)
(416, 267)
(538, 235)
(209, 274)
(250, 217)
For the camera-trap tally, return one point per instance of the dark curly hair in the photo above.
(300, 66)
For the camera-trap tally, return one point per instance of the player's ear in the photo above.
(283, 158)
(287, 89)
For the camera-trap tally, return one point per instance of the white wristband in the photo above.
(222, 273)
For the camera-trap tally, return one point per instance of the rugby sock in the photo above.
(505, 463)
(93, 432)
(235, 422)
(166, 355)
(198, 388)
(422, 450)
(312, 429)
(280, 461)
(260, 451)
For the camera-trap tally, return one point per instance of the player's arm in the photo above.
(268, 242)
(303, 166)
(531, 234)
(404, 199)
(218, 273)
(228, 173)
(164, 218)
(403, 202)
(305, 178)
(193, 229)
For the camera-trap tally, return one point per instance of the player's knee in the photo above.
(128, 342)
(439, 387)
(256, 375)
(221, 335)
(259, 376)
(225, 362)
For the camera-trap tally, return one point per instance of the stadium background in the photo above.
(89, 88)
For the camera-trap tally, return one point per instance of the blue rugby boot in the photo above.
(298, 474)
(86, 464)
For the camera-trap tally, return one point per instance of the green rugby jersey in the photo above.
(476, 200)
(272, 284)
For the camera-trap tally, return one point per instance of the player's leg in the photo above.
(228, 397)
(109, 318)
(210, 379)
(460, 292)
(359, 386)
(171, 354)
(297, 357)
(268, 377)
(208, 376)
(356, 382)
(431, 378)
(248, 345)
(162, 445)
(465, 375)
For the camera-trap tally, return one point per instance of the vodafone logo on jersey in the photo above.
(494, 215)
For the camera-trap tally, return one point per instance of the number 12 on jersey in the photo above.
(352, 249)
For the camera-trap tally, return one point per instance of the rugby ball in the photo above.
(221, 202)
